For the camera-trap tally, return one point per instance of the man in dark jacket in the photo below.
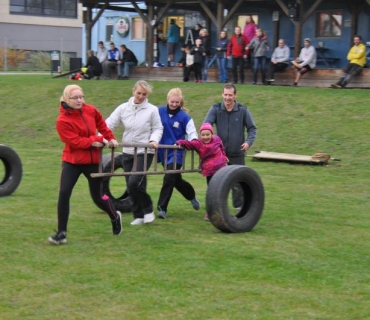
(127, 60)
(232, 119)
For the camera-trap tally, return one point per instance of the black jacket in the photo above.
(94, 65)
(128, 56)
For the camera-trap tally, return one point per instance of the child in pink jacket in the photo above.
(210, 149)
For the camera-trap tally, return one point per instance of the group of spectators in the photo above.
(107, 59)
(84, 131)
(250, 47)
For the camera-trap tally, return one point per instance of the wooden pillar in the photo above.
(149, 35)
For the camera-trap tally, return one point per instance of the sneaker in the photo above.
(206, 217)
(117, 224)
(270, 80)
(137, 221)
(336, 86)
(149, 217)
(161, 213)
(59, 238)
(294, 84)
(195, 203)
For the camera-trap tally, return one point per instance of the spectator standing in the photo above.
(236, 50)
(211, 152)
(279, 60)
(357, 60)
(197, 51)
(142, 124)
(194, 35)
(189, 64)
(77, 126)
(250, 29)
(260, 46)
(102, 53)
(94, 67)
(305, 62)
(113, 57)
(173, 37)
(206, 43)
(221, 49)
(127, 60)
(176, 125)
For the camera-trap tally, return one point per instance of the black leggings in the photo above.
(68, 178)
(136, 185)
(171, 181)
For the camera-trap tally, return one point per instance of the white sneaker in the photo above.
(137, 221)
(149, 217)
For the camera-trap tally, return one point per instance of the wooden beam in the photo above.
(208, 12)
(310, 11)
(232, 11)
(138, 10)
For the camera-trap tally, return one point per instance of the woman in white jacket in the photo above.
(142, 124)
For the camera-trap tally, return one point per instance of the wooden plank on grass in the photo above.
(287, 157)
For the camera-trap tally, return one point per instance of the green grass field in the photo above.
(307, 258)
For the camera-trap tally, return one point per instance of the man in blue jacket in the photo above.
(173, 37)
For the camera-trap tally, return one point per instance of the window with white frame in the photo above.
(138, 29)
(329, 23)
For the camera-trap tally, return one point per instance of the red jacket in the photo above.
(78, 129)
(236, 46)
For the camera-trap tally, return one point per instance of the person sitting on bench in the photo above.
(127, 60)
(113, 56)
(279, 60)
(357, 60)
(305, 62)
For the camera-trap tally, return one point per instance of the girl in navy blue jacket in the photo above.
(176, 124)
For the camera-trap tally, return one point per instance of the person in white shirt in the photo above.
(279, 60)
(305, 62)
(102, 53)
(142, 124)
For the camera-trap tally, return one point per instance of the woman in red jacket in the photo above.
(78, 125)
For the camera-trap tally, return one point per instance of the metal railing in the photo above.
(154, 167)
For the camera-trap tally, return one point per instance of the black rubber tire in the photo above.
(217, 199)
(13, 170)
(122, 203)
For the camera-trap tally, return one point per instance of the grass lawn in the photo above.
(307, 258)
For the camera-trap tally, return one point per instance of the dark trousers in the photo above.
(171, 181)
(69, 176)
(238, 63)
(259, 63)
(198, 71)
(276, 67)
(349, 72)
(237, 192)
(136, 185)
(187, 71)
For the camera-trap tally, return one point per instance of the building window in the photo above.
(329, 24)
(109, 30)
(138, 31)
(52, 8)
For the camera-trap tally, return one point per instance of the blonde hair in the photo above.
(67, 91)
(178, 93)
(145, 85)
(204, 30)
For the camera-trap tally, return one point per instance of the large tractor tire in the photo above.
(13, 170)
(123, 201)
(245, 182)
